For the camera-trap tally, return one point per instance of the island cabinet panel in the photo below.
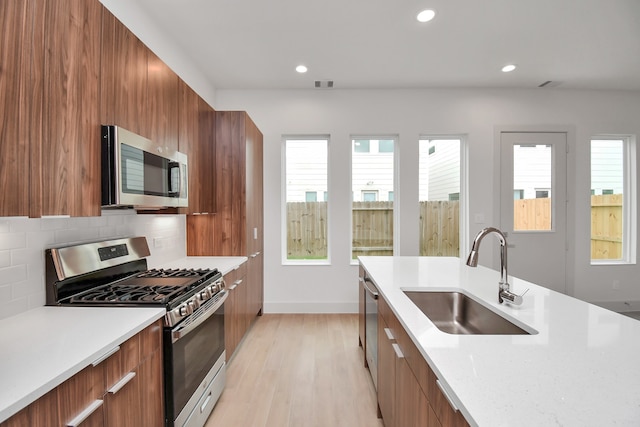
(124, 77)
(123, 390)
(413, 398)
(16, 103)
(387, 401)
(196, 139)
(67, 161)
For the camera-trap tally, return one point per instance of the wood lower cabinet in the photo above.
(236, 309)
(408, 394)
(123, 390)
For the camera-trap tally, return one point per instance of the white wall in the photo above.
(24, 240)
(409, 114)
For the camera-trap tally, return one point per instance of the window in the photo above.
(385, 146)
(542, 194)
(439, 195)
(518, 194)
(372, 186)
(532, 164)
(613, 204)
(305, 218)
(369, 196)
(361, 146)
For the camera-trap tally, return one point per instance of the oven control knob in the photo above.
(185, 310)
(204, 295)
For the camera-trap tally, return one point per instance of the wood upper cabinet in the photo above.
(66, 161)
(161, 104)
(124, 77)
(237, 227)
(197, 140)
(16, 103)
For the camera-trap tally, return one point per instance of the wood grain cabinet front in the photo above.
(408, 393)
(124, 389)
(236, 319)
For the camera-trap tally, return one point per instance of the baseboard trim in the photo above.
(310, 307)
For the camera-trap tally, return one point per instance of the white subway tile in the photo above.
(54, 223)
(13, 241)
(5, 260)
(13, 274)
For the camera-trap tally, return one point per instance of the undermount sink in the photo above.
(457, 313)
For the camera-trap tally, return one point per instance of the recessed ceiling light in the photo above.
(301, 69)
(508, 68)
(426, 15)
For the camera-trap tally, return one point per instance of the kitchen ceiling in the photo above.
(379, 44)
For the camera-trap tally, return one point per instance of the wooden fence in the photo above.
(606, 222)
(439, 227)
(606, 226)
(372, 229)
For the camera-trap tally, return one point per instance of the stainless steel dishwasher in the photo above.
(371, 327)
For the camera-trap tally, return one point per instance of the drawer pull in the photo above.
(206, 403)
(398, 351)
(117, 386)
(235, 284)
(105, 356)
(86, 413)
(446, 395)
(390, 336)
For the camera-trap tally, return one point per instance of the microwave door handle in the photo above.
(172, 167)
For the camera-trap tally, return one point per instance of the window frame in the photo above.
(396, 148)
(629, 199)
(283, 203)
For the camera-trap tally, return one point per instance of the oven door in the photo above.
(195, 364)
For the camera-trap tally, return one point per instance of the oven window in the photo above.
(192, 357)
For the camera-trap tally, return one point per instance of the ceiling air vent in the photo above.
(324, 84)
(550, 83)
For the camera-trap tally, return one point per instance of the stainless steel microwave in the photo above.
(137, 173)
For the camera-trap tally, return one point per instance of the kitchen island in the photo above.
(577, 367)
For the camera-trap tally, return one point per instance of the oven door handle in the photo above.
(180, 331)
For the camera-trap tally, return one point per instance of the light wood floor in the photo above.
(298, 370)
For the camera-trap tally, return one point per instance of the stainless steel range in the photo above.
(115, 272)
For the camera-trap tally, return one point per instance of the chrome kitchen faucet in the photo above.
(472, 261)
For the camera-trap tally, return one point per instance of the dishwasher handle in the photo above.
(366, 280)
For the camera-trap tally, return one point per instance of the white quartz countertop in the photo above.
(223, 263)
(580, 368)
(43, 347)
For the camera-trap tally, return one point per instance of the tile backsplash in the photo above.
(24, 240)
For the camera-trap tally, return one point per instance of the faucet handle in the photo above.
(510, 297)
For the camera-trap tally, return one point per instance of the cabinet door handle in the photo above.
(446, 395)
(398, 351)
(85, 413)
(117, 386)
(105, 356)
(389, 333)
(235, 284)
